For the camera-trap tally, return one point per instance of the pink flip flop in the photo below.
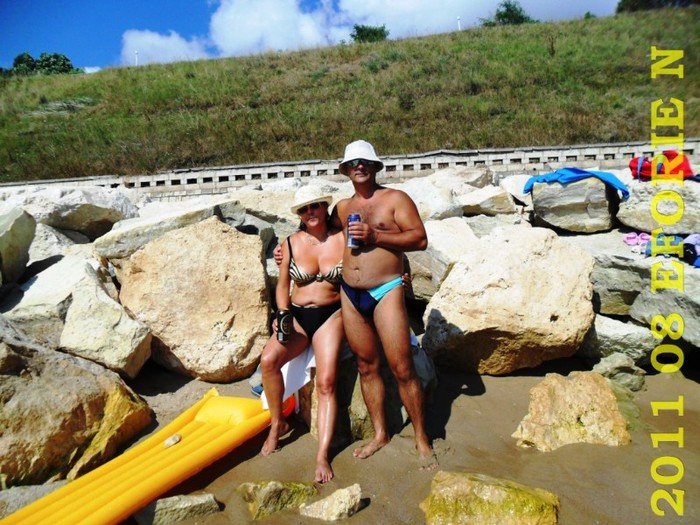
(644, 238)
(631, 239)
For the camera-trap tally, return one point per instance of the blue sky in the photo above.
(110, 33)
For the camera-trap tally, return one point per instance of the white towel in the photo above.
(296, 373)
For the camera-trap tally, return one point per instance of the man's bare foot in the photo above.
(276, 431)
(427, 462)
(324, 472)
(370, 448)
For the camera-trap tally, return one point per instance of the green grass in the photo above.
(582, 81)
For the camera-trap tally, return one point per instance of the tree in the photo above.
(362, 33)
(508, 12)
(643, 5)
(48, 64)
(53, 63)
(23, 64)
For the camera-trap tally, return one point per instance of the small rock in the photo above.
(178, 508)
(267, 497)
(467, 498)
(343, 503)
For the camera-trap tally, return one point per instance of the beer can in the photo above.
(353, 217)
(284, 325)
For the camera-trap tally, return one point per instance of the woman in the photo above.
(312, 259)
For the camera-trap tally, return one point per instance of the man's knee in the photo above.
(403, 370)
(366, 367)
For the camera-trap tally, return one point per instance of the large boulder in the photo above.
(483, 225)
(17, 229)
(38, 307)
(610, 336)
(580, 408)
(682, 299)
(61, 415)
(623, 281)
(587, 205)
(90, 210)
(490, 200)
(462, 498)
(620, 272)
(518, 298)
(51, 243)
(203, 293)
(448, 240)
(461, 179)
(98, 328)
(130, 235)
(515, 186)
(271, 201)
(433, 201)
(648, 203)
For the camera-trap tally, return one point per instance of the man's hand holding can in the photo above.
(353, 240)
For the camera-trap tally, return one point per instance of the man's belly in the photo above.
(370, 269)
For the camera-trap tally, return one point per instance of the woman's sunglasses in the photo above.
(366, 163)
(304, 209)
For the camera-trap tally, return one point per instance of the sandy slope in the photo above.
(471, 419)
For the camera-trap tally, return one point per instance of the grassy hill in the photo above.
(562, 83)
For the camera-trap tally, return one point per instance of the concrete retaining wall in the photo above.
(179, 184)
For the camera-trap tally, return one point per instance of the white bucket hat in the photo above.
(308, 195)
(360, 149)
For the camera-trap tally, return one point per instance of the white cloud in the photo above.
(549, 10)
(407, 18)
(88, 70)
(156, 48)
(243, 27)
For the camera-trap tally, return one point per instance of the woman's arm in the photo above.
(282, 292)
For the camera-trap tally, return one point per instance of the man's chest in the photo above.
(376, 214)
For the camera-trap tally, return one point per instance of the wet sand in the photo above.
(471, 419)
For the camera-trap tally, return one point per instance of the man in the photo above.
(373, 305)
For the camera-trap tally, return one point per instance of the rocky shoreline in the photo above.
(104, 292)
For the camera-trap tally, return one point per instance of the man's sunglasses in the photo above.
(366, 163)
(304, 209)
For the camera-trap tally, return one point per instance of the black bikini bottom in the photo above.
(311, 318)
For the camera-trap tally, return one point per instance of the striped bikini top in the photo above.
(299, 276)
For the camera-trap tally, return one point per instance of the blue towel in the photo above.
(567, 175)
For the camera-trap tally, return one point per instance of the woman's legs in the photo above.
(274, 356)
(327, 342)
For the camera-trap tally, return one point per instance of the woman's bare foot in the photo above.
(276, 431)
(324, 472)
(370, 448)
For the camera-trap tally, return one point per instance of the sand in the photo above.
(470, 419)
